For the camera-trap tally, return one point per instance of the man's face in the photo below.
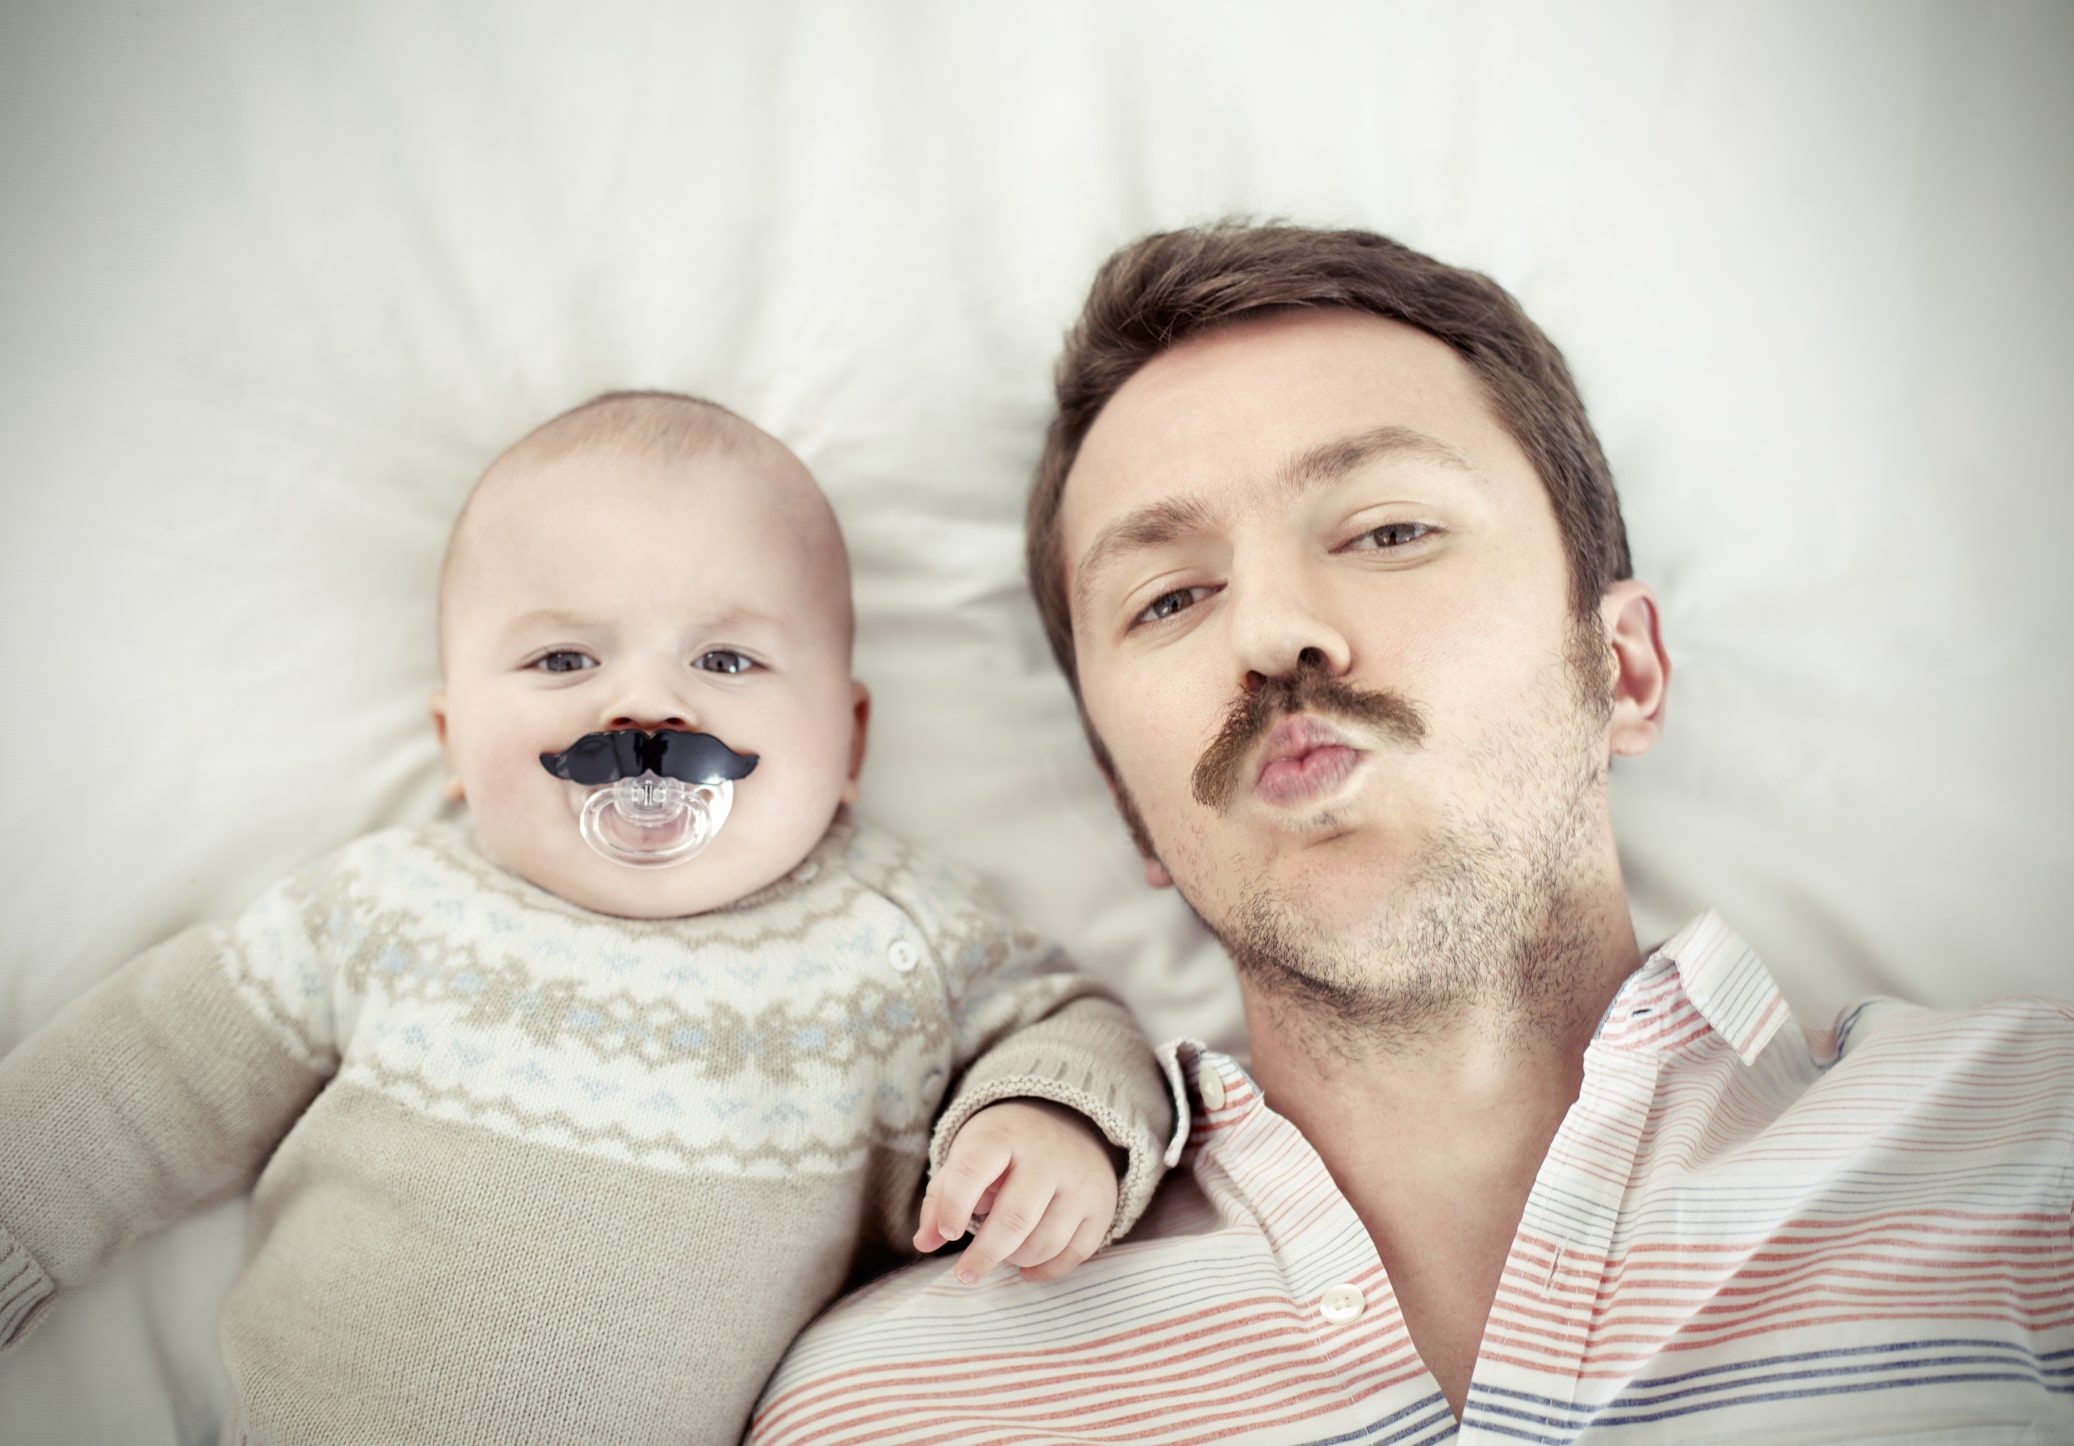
(1323, 623)
(606, 590)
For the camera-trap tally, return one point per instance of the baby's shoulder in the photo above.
(434, 860)
(401, 844)
(952, 909)
(903, 871)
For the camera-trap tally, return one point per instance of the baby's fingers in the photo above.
(969, 1175)
(928, 1227)
(1016, 1212)
(1086, 1240)
(1051, 1237)
(930, 1231)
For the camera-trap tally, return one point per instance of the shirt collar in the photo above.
(1210, 1089)
(1703, 979)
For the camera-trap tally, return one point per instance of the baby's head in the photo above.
(655, 562)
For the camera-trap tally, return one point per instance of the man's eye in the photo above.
(723, 660)
(1169, 603)
(564, 660)
(1390, 534)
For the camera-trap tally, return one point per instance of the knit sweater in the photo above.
(521, 1171)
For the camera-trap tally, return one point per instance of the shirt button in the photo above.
(1210, 1085)
(903, 956)
(1342, 1303)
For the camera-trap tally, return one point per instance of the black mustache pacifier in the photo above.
(650, 799)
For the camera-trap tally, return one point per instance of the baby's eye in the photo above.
(1169, 603)
(564, 660)
(1389, 535)
(723, 660)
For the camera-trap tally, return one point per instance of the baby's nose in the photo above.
(648, 694)
(650, 723)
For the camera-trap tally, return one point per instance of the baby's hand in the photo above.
(1039, 1175)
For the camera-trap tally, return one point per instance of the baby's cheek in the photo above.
(781, 815)
(515, 804)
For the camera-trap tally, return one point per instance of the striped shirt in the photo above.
(1742, 1232)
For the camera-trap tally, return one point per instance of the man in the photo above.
(1325, 543)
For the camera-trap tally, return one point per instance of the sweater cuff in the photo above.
(1131, 1110)
(24, 1290)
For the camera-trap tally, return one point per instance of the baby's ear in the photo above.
(436, 705)
(860, 704)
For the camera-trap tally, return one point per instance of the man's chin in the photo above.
(1337, 885)
(1324, 859)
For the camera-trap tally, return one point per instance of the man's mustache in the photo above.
(1310, 689)
(629, 753)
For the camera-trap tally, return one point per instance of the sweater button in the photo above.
(1342, 1303)
(903, 956)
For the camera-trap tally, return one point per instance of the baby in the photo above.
(564, 1123)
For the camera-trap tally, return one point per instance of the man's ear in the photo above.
(860, 704)
(437, 705)
(1156, 875)
(1640, 668)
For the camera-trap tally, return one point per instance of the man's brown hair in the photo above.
(1172, 285)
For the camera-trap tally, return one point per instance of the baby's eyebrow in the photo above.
(565, 620)
(548, 619)
(736, 617)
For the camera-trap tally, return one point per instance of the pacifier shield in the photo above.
(655, 798)
(652, 822)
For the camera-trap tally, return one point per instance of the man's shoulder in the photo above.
(1890, 1029)
(1931, 1094)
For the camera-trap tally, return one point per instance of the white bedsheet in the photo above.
(276, 282)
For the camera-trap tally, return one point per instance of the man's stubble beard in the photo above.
(1495, 921)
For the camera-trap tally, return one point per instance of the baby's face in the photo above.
(605, 590)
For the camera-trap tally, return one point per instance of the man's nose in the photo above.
(1279, 625)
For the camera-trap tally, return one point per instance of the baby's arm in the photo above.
(158, 1092)
(1040, 1177)
(1057, 1094)
(1027, 1029)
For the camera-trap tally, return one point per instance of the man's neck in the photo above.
(1436, 1139)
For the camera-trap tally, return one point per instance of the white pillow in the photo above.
(278, 283)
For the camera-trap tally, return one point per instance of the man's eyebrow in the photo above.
(1158, 523)
(1153, 525)
(1330, 461)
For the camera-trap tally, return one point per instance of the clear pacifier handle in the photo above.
(651, 822)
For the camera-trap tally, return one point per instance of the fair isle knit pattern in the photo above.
(787, 1042)
(546, 1174)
